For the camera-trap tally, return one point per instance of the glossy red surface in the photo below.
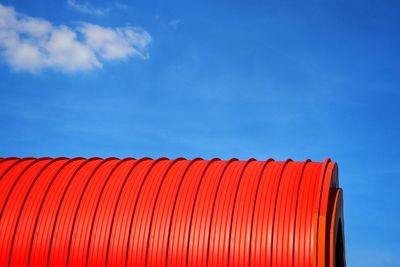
(144, 212)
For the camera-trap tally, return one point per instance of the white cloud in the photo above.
(33, 44)
(86, 8)
(116, 43)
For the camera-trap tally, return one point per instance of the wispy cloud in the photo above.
(121, 6)
(171, 24)
(33, 44)
(116, 43)
(174, 23)
(86, 8)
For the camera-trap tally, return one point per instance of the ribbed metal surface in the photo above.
(145, 212)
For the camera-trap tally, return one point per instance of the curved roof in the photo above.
(162, 212)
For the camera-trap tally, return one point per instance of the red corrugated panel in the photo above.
(99, 212)
(70, 199)
(40, 241)
(123, 215)
(102, 223)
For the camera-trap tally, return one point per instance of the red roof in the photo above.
(169, 212)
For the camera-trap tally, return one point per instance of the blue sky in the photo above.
(298, 79)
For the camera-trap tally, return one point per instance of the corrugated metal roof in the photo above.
(145, 212)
